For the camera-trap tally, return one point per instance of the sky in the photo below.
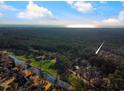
(63, 13)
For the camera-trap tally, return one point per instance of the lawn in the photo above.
(21, 58)
(45, 65)
(48, 67)
(75, 82)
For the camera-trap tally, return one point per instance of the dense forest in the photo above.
(57, 38)
(73, 47)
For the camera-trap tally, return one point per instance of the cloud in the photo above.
(1, 14)
(116, 21)
(110, 21)
(103, 2)
(70, 2)
(81, 26)
(122, 3)
(33, 11)
(4, 6)
(121, 16)
(81, 6)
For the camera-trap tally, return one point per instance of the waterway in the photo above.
(40, 72)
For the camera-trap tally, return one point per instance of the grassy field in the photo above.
(45, 65)
(75, 82)
(48, 67)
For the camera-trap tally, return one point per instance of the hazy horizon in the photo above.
(70, 14)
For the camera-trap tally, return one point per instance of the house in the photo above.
(37, 81)
(7, 83)
(38, 57)
(26, 73)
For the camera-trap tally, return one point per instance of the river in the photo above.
(41, 72)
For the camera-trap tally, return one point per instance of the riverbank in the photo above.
(45, 65)
(41, 72)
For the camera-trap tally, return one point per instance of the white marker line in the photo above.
(99, 48)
